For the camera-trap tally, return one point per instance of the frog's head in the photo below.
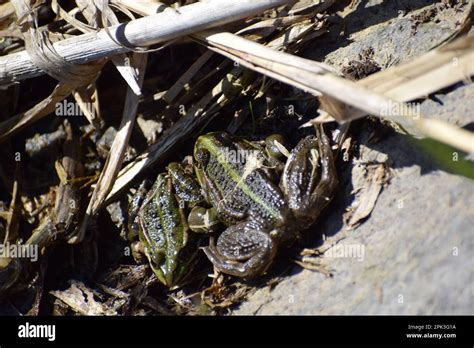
(211, 144)
(170, 269)
(207, 147)
(170, 264)
(219, 143)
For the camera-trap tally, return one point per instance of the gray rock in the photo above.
(418, 243)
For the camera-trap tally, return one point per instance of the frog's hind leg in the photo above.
(242, 251)
(311, 160)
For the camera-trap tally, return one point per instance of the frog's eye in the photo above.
(156, 259)
(275, 146)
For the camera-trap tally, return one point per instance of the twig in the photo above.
(146, 31)
(117, 151)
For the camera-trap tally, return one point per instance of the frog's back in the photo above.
(244, 187)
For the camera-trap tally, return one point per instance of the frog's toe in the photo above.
(242, 252)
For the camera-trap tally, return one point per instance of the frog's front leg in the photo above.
(188, 190)
(185, 186)
(242, 251)
(309, 161)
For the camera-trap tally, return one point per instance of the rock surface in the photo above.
(415, 253)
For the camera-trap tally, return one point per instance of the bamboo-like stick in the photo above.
(167, 25)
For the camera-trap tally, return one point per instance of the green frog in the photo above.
(263, 202)
(160, 222)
